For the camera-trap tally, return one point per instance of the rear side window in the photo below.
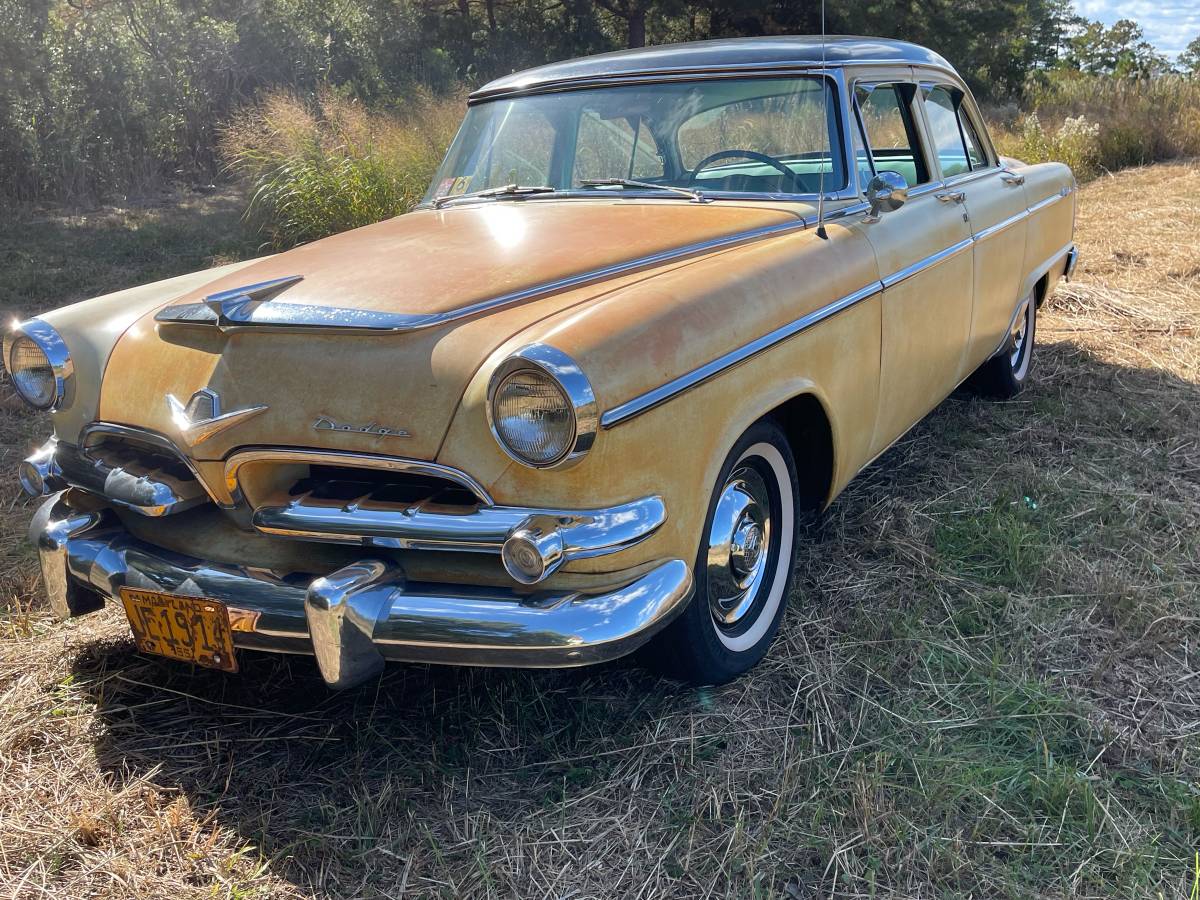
(941, 108)
(975, 152)
(885, 113)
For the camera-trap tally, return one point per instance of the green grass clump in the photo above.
(1002, 545)
(329, 166)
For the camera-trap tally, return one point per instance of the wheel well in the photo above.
(806, 425)
(1041, 290)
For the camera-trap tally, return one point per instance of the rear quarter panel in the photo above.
(1050, 195)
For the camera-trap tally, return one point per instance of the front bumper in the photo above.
(354, 619)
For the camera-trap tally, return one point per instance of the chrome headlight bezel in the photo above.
(54, 348)
(576, 389)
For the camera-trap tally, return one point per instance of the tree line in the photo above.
(103, 96)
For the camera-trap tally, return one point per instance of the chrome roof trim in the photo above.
(668, 76)
(738, 56)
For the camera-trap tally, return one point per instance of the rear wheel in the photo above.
(744, 568)
(1005, 374)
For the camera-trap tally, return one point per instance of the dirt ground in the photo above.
(986, 684)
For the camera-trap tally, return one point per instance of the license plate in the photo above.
(192, 629)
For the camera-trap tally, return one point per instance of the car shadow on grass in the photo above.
(304, 773)
(464, 770)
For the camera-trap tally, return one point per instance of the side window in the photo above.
(862, 155)
(941, 107)
(886, 114)
(975, 151)
(615, 148)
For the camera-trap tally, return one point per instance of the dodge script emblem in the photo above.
(324, 423)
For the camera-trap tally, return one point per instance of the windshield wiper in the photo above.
(505, 190)
(647, 185)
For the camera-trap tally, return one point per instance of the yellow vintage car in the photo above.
(656, 306)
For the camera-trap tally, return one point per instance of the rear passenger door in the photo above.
(993, 200)
(924, 259)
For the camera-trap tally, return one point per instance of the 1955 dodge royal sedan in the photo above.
(656, 305)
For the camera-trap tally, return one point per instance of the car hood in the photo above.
(439, 267)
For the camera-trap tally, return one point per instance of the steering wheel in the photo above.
(746, 154)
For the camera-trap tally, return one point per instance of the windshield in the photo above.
(766, 136)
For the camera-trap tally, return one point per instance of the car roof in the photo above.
(707, 56)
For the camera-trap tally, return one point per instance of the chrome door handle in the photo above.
(1012, 178)
(952, 196)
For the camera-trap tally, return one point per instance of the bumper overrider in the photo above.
(355, 618)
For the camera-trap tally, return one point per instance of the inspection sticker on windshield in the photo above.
(192, 629)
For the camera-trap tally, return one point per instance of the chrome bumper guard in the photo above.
(354, 619)
(1072, 261)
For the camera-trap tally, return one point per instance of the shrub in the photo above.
(326, 166)
(1099, 123)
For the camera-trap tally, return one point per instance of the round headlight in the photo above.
(38, 364)
(533, 417)
(31, 372)
(541, 407)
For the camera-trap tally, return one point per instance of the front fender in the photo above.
(642, 336)
(92, 328)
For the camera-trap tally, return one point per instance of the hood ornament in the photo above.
(202, 418)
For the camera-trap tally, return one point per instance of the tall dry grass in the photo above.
(329, 165)
(1097, 123)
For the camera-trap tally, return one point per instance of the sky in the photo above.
(1169, 24)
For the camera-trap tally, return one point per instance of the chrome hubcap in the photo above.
(1020, 330)
(737, 546)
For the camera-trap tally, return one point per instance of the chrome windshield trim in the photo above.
(643, 402)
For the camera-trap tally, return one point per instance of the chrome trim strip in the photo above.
(237, 461)
(695, 73)
(144, 490)
(643, 402)
(294, 315)
(922, 264)
(87, 557)
(583, 533)
(50, 342)
(1050, 201)
(652, 398)
(1001, 226)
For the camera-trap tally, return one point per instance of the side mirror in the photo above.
(886, 192)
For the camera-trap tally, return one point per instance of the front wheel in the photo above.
(744, 567)
(1006, 373)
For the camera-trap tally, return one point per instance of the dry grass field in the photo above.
(986, 686)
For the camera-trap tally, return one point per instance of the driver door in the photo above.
(923, 251)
